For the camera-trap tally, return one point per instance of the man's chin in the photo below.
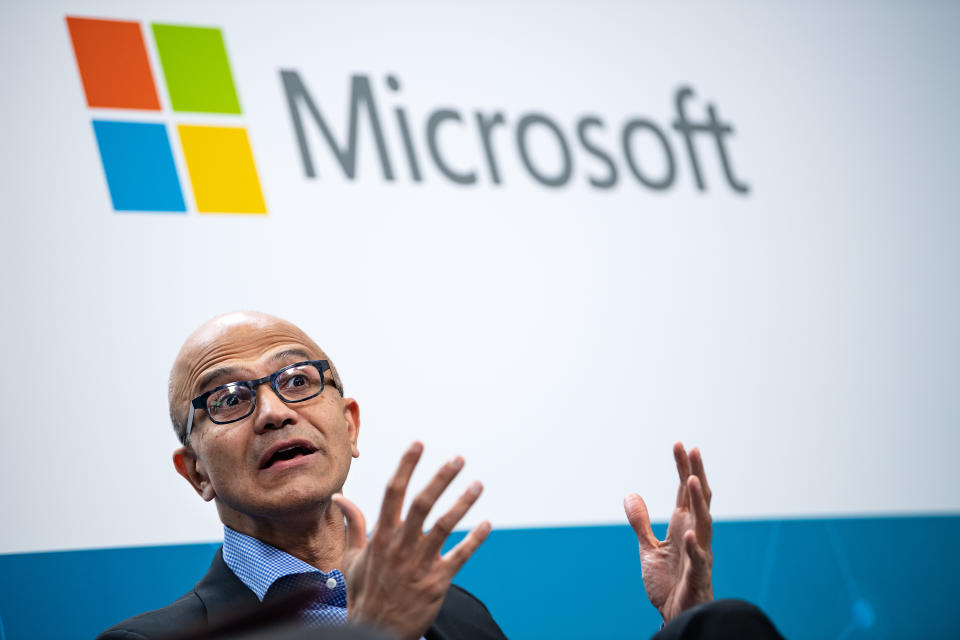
(284, 491)
(296, 497)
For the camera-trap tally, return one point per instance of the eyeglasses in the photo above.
(237, 400)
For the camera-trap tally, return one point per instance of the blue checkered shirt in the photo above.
(271, 573)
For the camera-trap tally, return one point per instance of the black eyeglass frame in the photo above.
(200, 402)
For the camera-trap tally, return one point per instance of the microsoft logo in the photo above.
(137, 156)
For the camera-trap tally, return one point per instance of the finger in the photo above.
(683, 470)
(397, 487)
(698, 559)
(696, 467)
(639, 519)
(445, 523)
(356, 523)
(456, 557)
(421, 505)
(703, 523)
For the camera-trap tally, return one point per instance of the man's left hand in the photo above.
(678, 571)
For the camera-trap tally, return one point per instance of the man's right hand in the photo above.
(397, 579)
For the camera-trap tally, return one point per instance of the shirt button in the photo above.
(331, 583)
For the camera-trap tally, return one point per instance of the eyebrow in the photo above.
(220, 372)
(234, 372)
(288, 353)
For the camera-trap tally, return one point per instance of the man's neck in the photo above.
(316, 539)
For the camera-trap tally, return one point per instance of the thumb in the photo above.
(636, 510)
(356, 523)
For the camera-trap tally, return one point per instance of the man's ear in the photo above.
(189, 466)
(351, 413)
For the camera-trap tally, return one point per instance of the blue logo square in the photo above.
(139, 165)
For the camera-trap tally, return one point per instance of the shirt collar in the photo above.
(259, 565)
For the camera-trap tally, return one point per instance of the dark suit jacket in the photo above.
(720, 620)
(218, 598)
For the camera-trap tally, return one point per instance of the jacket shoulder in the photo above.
(184, 613)
(464, 617)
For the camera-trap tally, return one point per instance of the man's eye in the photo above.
(224, 402)
(295, 380)
(298, 380)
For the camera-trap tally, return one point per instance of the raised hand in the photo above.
(397, 579)
(678, 571)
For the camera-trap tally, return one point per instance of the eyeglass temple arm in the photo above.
(325, 366)
(189, 423)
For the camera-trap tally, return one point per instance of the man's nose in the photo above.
(271, 412)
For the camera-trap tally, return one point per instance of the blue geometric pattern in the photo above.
(139, 166)
(849, 578)
(274, 574)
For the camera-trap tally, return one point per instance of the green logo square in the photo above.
(196, 68)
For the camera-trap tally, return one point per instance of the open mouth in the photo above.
(286, 452)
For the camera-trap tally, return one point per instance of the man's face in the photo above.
(282, 458)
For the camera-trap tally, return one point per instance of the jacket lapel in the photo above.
(223, 595)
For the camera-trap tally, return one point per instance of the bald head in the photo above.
(219, 344)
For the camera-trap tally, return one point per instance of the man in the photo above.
(268, 435)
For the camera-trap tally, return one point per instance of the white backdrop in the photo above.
(806, 335)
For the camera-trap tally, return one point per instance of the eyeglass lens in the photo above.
(236, 401)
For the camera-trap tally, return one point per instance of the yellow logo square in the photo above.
(221, 168)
